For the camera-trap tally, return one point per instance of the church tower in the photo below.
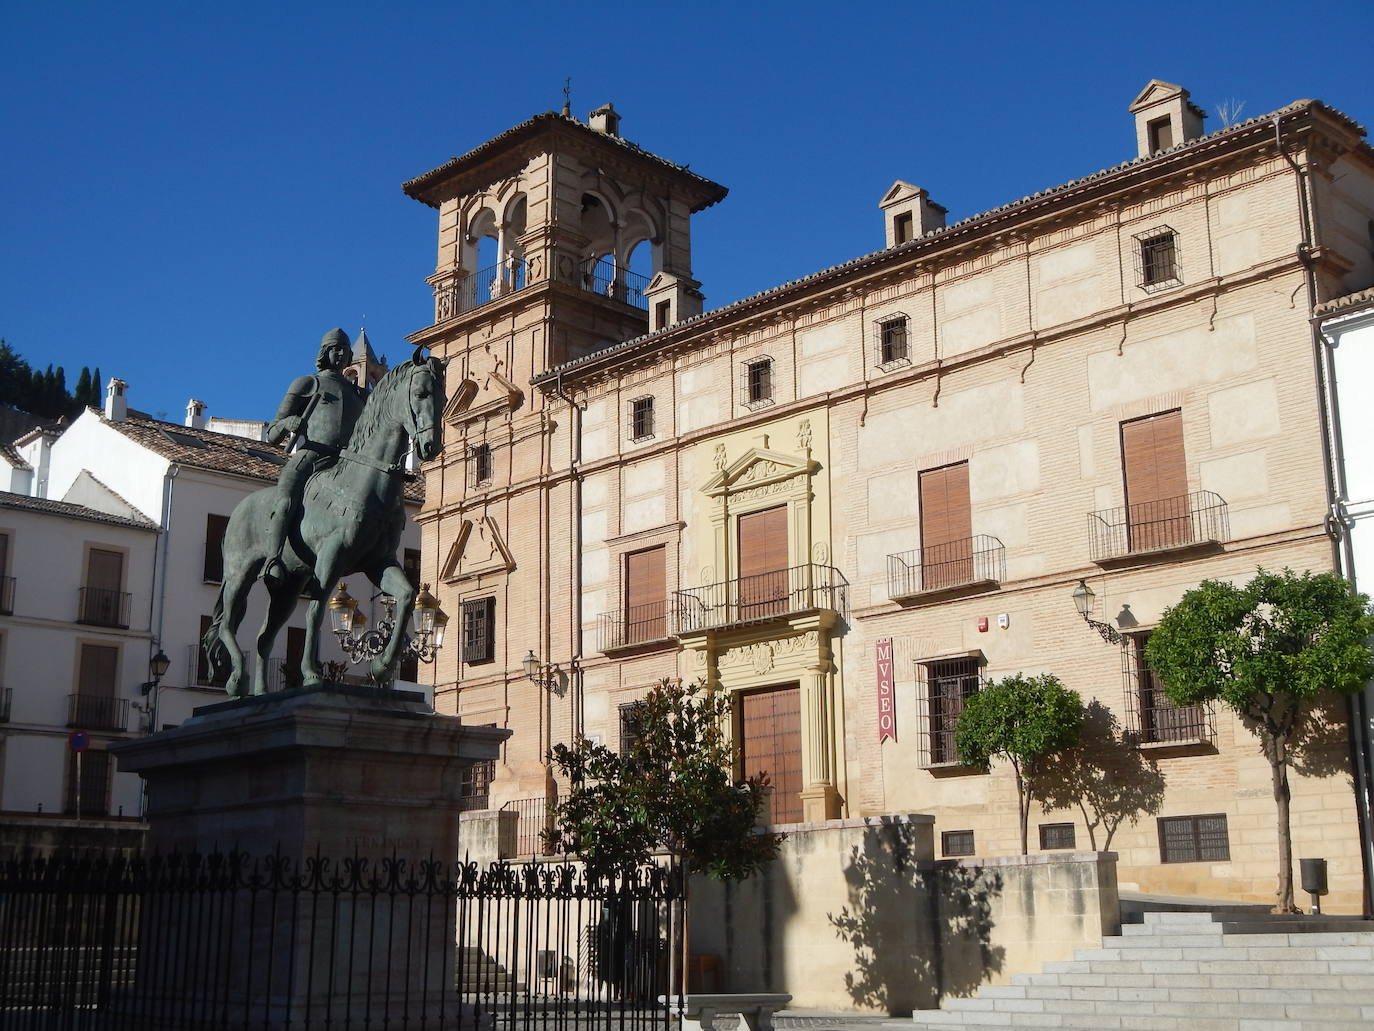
(556, 240)
(364, 368)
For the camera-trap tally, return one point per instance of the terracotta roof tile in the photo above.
(69, 511)
(11, 456)
(1339, 304)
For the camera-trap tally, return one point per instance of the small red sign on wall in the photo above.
(887, 703)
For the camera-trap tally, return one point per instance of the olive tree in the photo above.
(1267, 649)
(1024, 720)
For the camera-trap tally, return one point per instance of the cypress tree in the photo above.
(83, 387)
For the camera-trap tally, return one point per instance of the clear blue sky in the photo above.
(191, 194)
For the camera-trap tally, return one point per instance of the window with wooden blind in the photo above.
(770, 744)
(946, 528)
(6, 581)
(641, 418)
(646, 594)
(96, 705)
(213, 566)
(763, 556)
(480, 465)
(102, 598)
(92, 783)
(1157, 503)
(479, 631)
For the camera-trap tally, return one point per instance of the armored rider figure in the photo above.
(318, 413)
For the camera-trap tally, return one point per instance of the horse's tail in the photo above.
(216, 654)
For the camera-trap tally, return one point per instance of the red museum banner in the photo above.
(887, 704)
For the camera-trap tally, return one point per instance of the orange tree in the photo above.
(1267, 649)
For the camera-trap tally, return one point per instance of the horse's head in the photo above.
(425, 411)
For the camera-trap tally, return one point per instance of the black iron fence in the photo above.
(611, 280)
(203, 943)
(634, 625)
(974, 560)
(1181, 522)
(100, 606)
(762, 596)
(534, 821)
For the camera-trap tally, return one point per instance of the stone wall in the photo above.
(856, 915)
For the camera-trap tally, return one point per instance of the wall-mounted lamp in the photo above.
(1083, 599)
(546, 677)
(158, 666)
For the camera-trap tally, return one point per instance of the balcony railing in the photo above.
(1165, 525)
(489, 284)
(6, 595)
(99, 606)
(96, 712)
(635, 625)
(763, 596)
(535, 818)
(974, 560)
(601, 277)
(6, 697)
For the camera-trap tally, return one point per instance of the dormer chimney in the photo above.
(116, 404)
(195, 414)
(604, 119)
(1164, 117)
(908, 213)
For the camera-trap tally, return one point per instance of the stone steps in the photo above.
(1192, 971)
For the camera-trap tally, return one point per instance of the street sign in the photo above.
(78, 740)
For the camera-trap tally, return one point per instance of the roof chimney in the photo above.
(1164, 117)
(909, 213)
(195, 414)
(604, 119)
(116, 404)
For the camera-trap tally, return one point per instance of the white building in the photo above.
(110, 539)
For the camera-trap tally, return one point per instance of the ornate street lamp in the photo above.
(1083, 599)
(361, 644)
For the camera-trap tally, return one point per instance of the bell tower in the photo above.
(557, 239)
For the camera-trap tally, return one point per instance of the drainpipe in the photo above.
(157, 603)
(1356, 704)
(575, 536)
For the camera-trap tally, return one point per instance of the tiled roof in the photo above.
(1339, 304)
(938, 236)
(11, 456)
(419, 187)
(220, 452)
(62, 508)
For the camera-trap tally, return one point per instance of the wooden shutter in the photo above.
(946, 528)
(1157, 514)
(479, 630)
(6, 589)
(646, 593)
(105, 570)
(94, 782)
(215, 525)
(4, 555)
(771, 744)
(95, 706)
(102, 599)
(763, 563)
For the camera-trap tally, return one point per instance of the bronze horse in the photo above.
(351, 522)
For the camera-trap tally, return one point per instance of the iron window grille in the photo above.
(956, 843)
(1194, 839)
(756, 387)
(942, 688)
(474, 786)
(893, 344)
(1056, 835)
(480, 464)
(1157, 259)
(479, 631)
(629, 725)
(641, 419)
(1150, 717)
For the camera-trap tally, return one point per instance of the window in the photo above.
(1157, 502)
(1161, 132)
(903, 228)
(6, 581)
(893, 348)
(629, 728)
(480, 464)
(103, 601)
(758, 383)
(956, 843)
(946, 528)
(663, 311)
(646, 593)
(215, 525)
(89, 790)
(641, 418)
(947, 684)
(763, 588)
(479, 631)
(1056, 835)
(1149, 713)
(203, 674)
(474, 785)
(95, 706)
(1157, 259)
(1194, 839)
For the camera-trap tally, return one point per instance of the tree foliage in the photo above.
(1268, 649)
(1024, 720)
(38, 392)
(672, 789)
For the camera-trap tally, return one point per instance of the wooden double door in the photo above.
(770, 744)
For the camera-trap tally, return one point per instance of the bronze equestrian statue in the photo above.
(348, 519)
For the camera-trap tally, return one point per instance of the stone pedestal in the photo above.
(339, 775)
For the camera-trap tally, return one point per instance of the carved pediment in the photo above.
(758, 467)
(483, 392)
(479, 549)
(899, 191)
(1156, 91)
